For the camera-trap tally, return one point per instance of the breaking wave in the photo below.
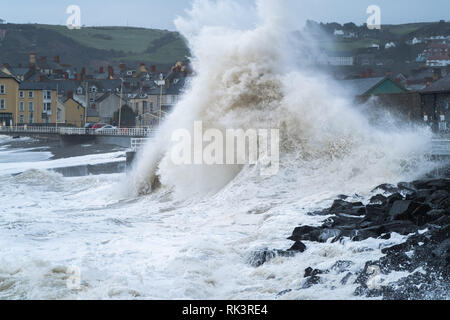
(249, 79)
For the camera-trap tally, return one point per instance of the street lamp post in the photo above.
(87, 105)
(161, 83)
(120, 102)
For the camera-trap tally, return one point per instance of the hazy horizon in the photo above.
(161, 14)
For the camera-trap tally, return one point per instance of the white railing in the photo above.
(127, 132)
(29, 129)
(440, 147)
(138, 143)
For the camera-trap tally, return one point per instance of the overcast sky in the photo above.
(161, 13)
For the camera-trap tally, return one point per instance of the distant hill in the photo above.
(92, 46)
(364, 38)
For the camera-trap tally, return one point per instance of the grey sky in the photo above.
(161, 13)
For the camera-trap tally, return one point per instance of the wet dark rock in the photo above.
(311, 281)
(389, 188)
(375, 213)
(262, 256)
(406, 186)
(298, 247)
(419, 210)
(341, 266)
(402, 209)
(378, 199)
(393, 198)
(422, 194)
(284, 292)
(310, 272)
(343, 206)
(345, 280)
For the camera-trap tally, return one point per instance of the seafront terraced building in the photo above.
(9, 89)
(36, 103)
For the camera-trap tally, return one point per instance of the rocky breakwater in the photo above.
(419, 210)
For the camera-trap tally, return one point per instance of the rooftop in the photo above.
(439, 86)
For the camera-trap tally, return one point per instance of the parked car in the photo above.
(99, 125)
(105, 128)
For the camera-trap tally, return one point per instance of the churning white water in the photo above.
(191, 238)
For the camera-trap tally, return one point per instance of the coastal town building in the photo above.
(9, 89)
(70, 112)
(436, 104)
(37, 103)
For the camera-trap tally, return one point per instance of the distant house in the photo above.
(385, 96)
(340, 58)
(107, 105)
(436, 104)
(437, 54)
(335, 58)
(70, 112)
(374, 86)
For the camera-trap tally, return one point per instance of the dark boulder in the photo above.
(378, 199)
(310, 272)
(406, 187)
(402, 209)
(389, 188)
(298, 247)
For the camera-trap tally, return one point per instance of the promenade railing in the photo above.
(127, 132)
(440, 147)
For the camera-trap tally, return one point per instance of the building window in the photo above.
(30, 94)
(2, 104)
(30, 106)
(22, 106)
(31, 118)
(21, 119)
(144, 107)
(47, 94)
(47, 107)
(80, 91)
(2, 89)
(21, 94)
(151, 107)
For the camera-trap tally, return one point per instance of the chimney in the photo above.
(388, 73)
(437, 74)
(122, 66)
(153, 69)
(32, 58)
(66, 75)
(101, 70)
(83, 70)
(77, 77)
(43, 58)
(56, 59)
(142, 68)
(39, 78)
(69, 94)
(110, 72)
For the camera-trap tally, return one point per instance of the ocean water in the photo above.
(157, 246)
(118, 237)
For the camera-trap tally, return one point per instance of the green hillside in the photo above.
(92, 45)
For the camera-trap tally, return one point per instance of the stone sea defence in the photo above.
(419, 210)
